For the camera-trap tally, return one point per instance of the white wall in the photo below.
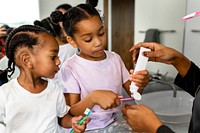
(162, 15)
(47, 6)
(18, 12)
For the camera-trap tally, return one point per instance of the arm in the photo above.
(142, 119)
(163, 54)
(68, 121)
(104, 98)
(191, 81)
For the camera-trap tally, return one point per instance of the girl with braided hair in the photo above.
(29, 103)
(94, 77)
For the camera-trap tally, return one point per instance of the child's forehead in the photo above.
(46, 39)
(90, 24)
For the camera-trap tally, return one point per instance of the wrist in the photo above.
(156, 127)
(182, 64)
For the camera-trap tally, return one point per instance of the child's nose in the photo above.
(58, 61)
(98, 42)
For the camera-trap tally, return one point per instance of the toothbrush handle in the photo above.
(72, 131)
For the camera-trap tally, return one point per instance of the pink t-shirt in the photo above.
(82, 76)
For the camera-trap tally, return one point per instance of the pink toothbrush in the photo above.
(192, 15)
(126, 99)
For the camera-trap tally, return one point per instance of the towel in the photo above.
(152, 35)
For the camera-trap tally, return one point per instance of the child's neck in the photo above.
(92, 58)
(33, 86)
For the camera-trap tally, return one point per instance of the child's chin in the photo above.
(51, 76)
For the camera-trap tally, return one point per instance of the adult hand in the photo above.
(163, 54)
(141, 118)
(158, 53)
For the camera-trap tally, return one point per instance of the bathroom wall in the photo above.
(192, 33)
(163, 15)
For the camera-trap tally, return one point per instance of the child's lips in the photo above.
(57, 70)
(101, 50)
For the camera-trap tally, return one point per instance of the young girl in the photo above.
(30, 104)
(94, 77)
(65, 49)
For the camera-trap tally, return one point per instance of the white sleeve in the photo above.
(2, 113)
(2, 128)
(62, 107)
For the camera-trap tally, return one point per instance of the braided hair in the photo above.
(23, 36)
(73, 16)
(47, 24)
(64, 6)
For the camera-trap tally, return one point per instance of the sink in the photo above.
(173, 110)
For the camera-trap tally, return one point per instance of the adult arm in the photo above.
(191, 81)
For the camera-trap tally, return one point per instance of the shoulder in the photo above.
(69, 60)
(53, 86)
(112, 54)
(6, 88)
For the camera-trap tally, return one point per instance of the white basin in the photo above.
(169, 109)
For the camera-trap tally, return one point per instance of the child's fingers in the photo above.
(86, 121)
(76, 119)
(79, 128)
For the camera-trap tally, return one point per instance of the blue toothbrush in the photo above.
(80, 122)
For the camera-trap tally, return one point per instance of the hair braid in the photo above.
(26, 36)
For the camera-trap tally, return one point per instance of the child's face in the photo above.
(91, 38)
(46, 59)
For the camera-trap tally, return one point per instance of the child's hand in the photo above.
(79, 128)
(140, 78)
(105, 99)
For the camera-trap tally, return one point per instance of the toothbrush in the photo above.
(80, 122)
(126, 99)
(192, 15)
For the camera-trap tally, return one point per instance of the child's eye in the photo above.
(89, 40)
(53, 57)
(101, 34)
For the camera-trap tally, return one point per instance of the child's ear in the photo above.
(25, 59)
(71, 41)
